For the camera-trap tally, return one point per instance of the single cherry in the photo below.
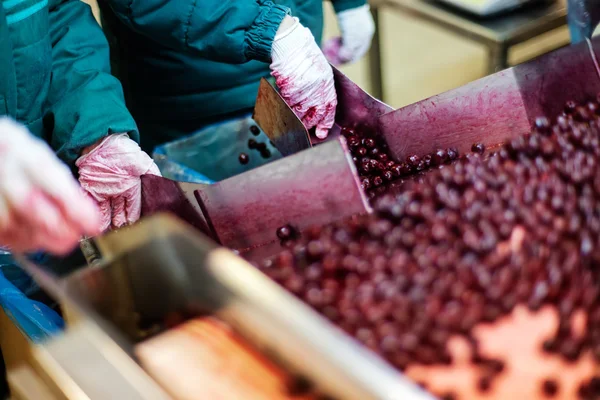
(254, 130)
(478, 148)
(243, 158)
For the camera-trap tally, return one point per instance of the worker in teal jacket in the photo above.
(57, 97)
(55, 79)
(187, 64)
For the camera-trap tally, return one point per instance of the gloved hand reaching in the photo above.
(41, 205)
(110, 172)
(357, 27)
(304, 77)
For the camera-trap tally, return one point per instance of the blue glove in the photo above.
(36, 320)
(583, 18)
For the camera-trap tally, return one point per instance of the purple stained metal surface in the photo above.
(355, 106)
(548, 82)
(488, 111)
(164, 195)
(493, 109)
(315, 186)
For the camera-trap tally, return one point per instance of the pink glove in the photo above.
(41, 205)
(110, 172)
(357, 27)
(304, 76)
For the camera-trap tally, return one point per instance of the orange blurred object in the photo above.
(204, 359)
(517, 340)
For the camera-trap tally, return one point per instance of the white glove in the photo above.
(304, 77)
(357, 27)
(110, 172)
(41, 205)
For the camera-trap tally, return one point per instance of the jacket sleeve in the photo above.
(344, 5)
(85, 102)
(232, 31)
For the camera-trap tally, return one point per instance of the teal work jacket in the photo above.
(55, 75)
(188, 63)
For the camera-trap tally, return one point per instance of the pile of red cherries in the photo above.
(377, 168)
(462, 246)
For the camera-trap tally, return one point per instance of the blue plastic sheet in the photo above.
(36, 320)
(212, 154)
(583, 18)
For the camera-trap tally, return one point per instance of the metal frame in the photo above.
(113, 305)
(497, 34)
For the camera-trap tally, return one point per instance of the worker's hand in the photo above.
(41, 205)
(110, 172)
(357, 27)
(304, 77)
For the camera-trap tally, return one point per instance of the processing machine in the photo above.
(173, 308)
